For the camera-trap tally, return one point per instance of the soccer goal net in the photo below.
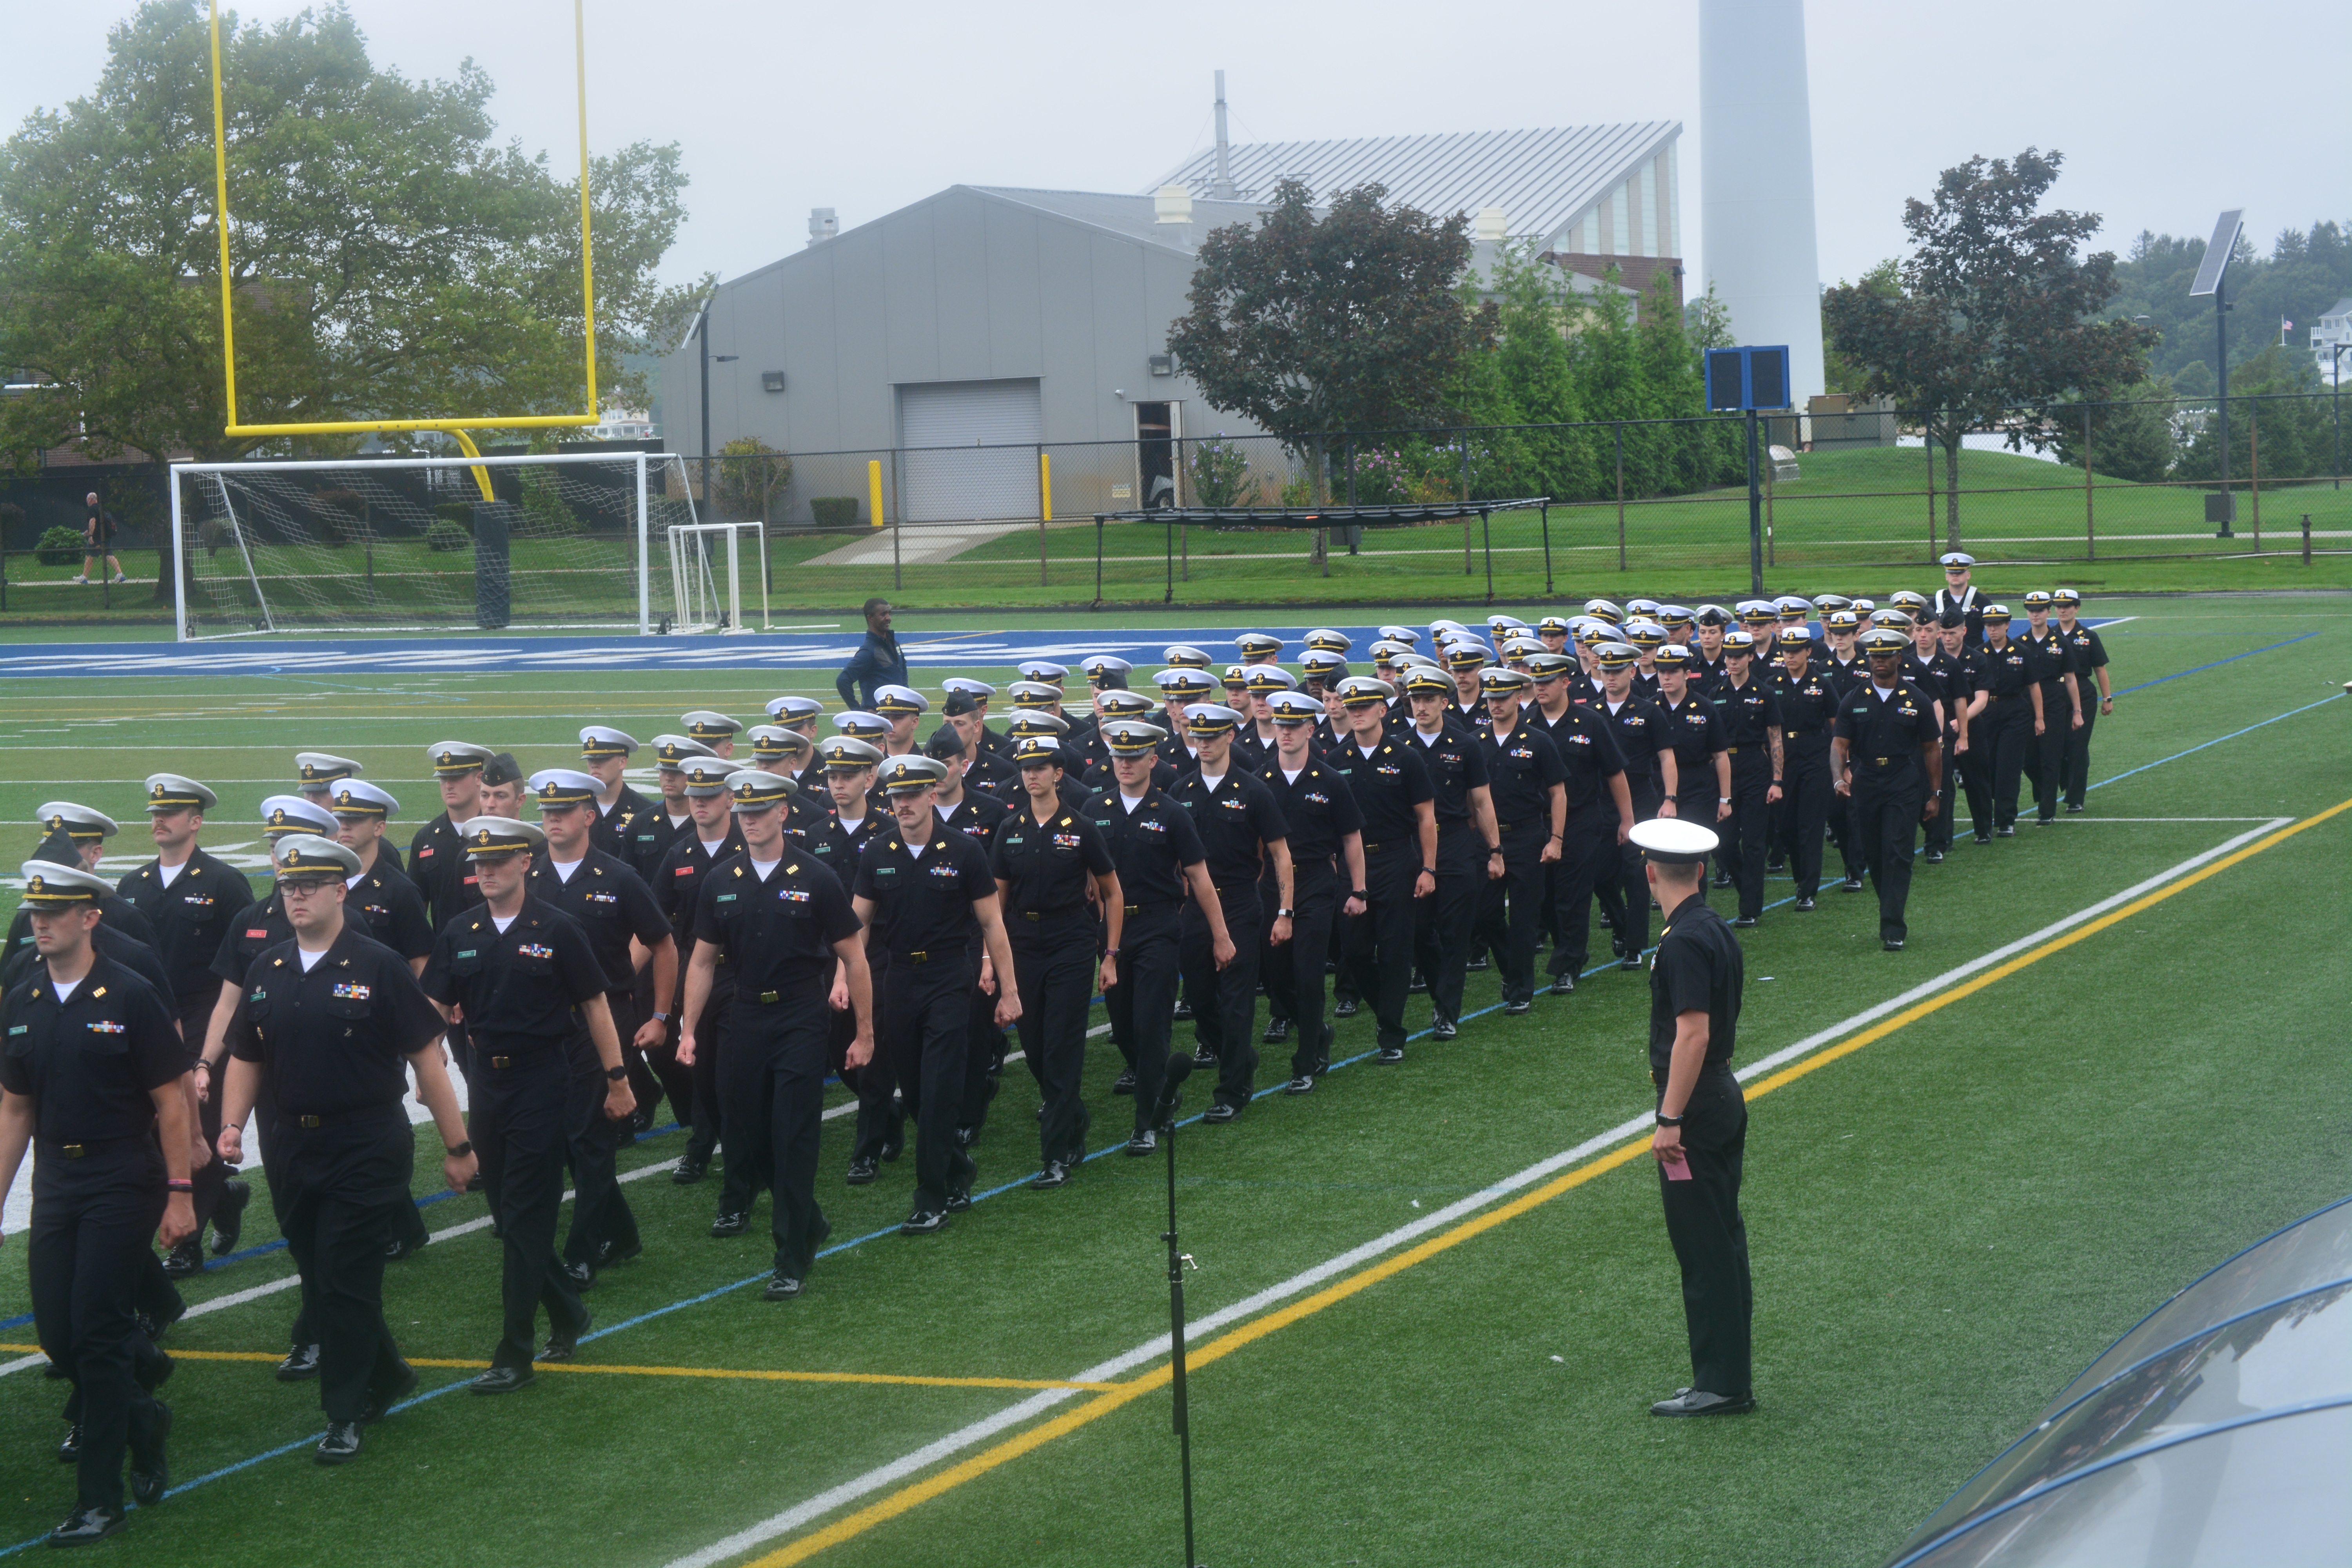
(563, 542)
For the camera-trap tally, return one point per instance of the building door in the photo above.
(1155, 455)
(971, 449)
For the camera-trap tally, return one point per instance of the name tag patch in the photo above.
(350, 991)
(256, 933)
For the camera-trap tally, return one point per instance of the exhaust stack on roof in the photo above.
(1223, 189)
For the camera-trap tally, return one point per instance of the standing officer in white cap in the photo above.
(330, 1024)
(92, 1069)
(534, 999)
(1958, 593)
(194, 901)
(1695, 982)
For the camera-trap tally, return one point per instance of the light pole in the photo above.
(2209, 280)
(2335, 379)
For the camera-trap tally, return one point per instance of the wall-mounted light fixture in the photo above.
(772, 381)
(1163, 364)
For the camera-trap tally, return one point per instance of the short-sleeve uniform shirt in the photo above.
(611, 903)
(1520, 771)
(1388, 784)
(190, 914)
(1457, 764)
(1045, 867)
(1320, 809)
(776, 932)
(1234, 821)
(522, 987)
(923, 899)
(1150, 845)
(1698, 968)
(89, 1062)
(387, 902)
(1588, 748)
(1884, 735)
(332, 1040)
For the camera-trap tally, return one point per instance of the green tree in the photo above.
(1348, 320)
(1839, 372)
(1997, 310)
(2131, 438)
(389, 258)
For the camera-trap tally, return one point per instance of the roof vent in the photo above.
(1489, 227)
(823, 224)
(1173, 204)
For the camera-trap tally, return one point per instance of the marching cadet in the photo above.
(1701, 1140)
(1595, 767)
(1528, 787)
(92, 1069)
(1840, 626)
(2090, 661)
(1702, 764)
(1254, 741)
(1184, 656)
(714, 730)
(1469, 850)
(318, 772)
(1158, 857)
(436, 855)
(2050, 662)
(1964, 677)
(1243, 838)
(1958, 593)
(612, 906)
(904, 707)
(922, 890)
(800, 715)
(194, 901)
(1052, 727)
(1180, 688)
(986, 769)
(1045, 857)
(1465, 659)
(1949, 681)
(1651, 779)
(1751, 733)
(1709, 626)
(1326, 843)
(977, 693)
(851, 828)
(1888, 755)
(977, 817)
(1807, 701)
(787, 753)
(784, 923)
(503, 785)
(533, 994)
(110, 940)
(1389, 777)
(1105, 673)
(671, 816)
(604, 753)
(1259, 647)
(87, 832)
(676, 888)
(2005, 732)
(322, 1027)
(1552, 632)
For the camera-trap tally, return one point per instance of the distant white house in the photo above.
(622, 424)
(2331, 332)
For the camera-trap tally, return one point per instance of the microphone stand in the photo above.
(1176, 1262)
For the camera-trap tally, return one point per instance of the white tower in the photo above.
(1755, 178)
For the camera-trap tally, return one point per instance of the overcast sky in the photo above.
(783, 108)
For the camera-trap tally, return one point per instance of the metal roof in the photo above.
(1543, 180)
(1132, 217)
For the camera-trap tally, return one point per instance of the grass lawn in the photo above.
(1948, 1222)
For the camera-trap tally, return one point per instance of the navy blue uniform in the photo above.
(2090, 656)
(1151, 841)
(1238, 822)
(1523, 770)
(1043, 871)
(1320, 812)
(1389, 784)
(1883, 736)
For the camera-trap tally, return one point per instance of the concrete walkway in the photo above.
(925, 543)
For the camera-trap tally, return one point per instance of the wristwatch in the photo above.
(661, 1017)
(459, 1151)
(1282, 914)
(1666, 1120)
(618, 1073)
(1360, 893)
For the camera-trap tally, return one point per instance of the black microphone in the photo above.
(1179, 1069)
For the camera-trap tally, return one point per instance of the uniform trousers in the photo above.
(1269, 898)
(1633, 883)
(929, 1033)
(1442, 923)
(1224, 1001)
(91, 1224)
(344, 1181)
(1294, 975)
(1805, 791)
(2078, 751)
(1380, 940)
(524, 1110)
(772, 1080)
(708, 1115)
(600, 1214)
(1886, 803)
(1588, 852)
(1938, 834)
(1054, 968)
(1511, 908)
(1743, 834)
(984, 1062)
(273, 1169)
(211, 1176)
(879, 1126)
(2045, 755)
(1710, 1239)
(1998, 741)
(1140, 1021)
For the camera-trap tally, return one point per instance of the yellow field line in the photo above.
(922, 1491)
(753, 1375)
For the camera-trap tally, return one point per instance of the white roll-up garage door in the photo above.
(972, 449)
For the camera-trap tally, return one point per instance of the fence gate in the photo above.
(972, 449)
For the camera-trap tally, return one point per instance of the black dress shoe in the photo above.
(1277, 1030)
(1774, 867)
(924, 1222)
(1561, 984)
(1202, 1057)
(1125, 1084)
(960, 1199)
(503, 1379)
(1221, 1113)
(1697, 1402)
(1984, 838)
(1723, 878)
(301, 1364)
(564, 1347)
(582, 1274)
(1935, 857)
(228, 1216)
(150, 1473)
(1183, 1008)
(1513, 1009)
(1805, 903)
(1388, 1056)
(1143, 1143)
(150, 1324)
(610, 1252)
(966, 1137)
(1852, 884)
(184, 1260)
(2045, 821)
(88, 1526)
(783, 1286)
(2073, 807)
(1743, 921)
(863, 1170)
(2009, 832)
(1631, 961)
(1479, 965)
(1444, 1029)
(1055, 1174)
(340, 1446)
(1417, 986)
(1303, 1083)
(734, 1223)
(1893, 944)
(892, 1148)
(70, 1451)
(1346, 1007)
(398, 1248)
(384, 1395)
(1616, 946)
(690, 1170)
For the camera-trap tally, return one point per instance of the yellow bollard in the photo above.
(1045, 487)
(873, 487)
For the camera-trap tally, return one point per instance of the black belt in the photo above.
(1038, 917)
(1883, 762)
(1392, 844)
(1155, 904)
(84, 1151)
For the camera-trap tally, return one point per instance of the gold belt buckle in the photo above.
(306, 1121)
(72, 1151)
(501, 1061)
(767, 996)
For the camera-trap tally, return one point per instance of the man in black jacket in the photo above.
(877, 664)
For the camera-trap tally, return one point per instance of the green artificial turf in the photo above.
(1946, 1224)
